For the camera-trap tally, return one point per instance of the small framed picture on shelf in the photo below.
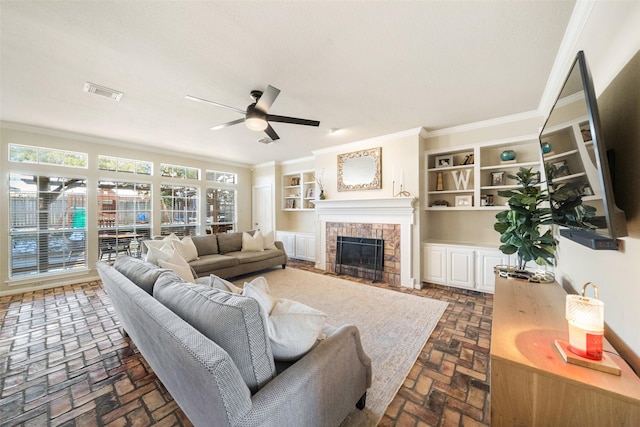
(444, 161)
(560, 169)
(464, 201)
(585, 130)
(468, 160)
(311, 193)
(295, 180)
(498, 178)
(290, 203)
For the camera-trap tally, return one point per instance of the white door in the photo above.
(262, 210)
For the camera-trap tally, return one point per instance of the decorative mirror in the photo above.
(360, 170)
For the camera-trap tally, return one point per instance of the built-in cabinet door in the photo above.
(487, 259)
(460, 267)
(301, 246)
(435, 264)
(311, 248)
(289, 243)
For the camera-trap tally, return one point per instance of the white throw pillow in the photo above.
(186, 248)
(269, 240)
(253, 243)
(163, 253)
(293, 329)
(258, 289)
(182, 270)
(292, 326)
(158, 244)
(224, 285)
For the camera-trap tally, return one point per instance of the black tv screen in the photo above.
(577, 165)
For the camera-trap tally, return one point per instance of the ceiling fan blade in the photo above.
(226, 125)
(292, 120)
(272, 133)
(267, 98)
(195, 98)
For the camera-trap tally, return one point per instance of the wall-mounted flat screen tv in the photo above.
(578, 167)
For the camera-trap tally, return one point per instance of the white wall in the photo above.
(610, 39)
(18, 134)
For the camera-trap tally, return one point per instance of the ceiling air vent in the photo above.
(102, 91)
(266, 140)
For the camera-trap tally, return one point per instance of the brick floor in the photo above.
(65, 362)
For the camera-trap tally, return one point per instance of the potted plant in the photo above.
(520, 225)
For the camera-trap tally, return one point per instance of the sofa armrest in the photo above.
(319, 389)
(280, 246)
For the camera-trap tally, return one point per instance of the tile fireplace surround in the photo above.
(388, 219)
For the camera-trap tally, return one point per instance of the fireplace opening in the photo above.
(360, 252)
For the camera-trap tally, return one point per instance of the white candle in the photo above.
(402, 176)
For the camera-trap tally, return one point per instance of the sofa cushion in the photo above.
(206, 244)
(234, 322)
(186, 249)
(253, 243)
(142, 273)
(229, 242)
(212, 262)
(247, 257)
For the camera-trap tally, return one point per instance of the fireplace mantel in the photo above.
(399, 210)
(392, 206)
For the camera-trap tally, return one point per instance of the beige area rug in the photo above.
(394, 327)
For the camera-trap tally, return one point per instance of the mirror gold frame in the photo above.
(360, 170)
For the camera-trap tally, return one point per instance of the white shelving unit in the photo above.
(460, 186)
(298, 191)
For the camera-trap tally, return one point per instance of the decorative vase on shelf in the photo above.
(322, 196)
(546, 147)
(507, 155)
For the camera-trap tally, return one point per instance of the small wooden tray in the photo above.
(605, 365)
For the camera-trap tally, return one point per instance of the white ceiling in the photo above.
(368, 68)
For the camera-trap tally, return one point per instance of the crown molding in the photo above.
(566, 55)
(357, 144)
(534, 114)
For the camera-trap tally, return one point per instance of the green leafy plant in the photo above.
(520, 225)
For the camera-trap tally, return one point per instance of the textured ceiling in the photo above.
(369, 68)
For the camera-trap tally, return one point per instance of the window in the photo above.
(180, 207)
(222, 177)
(221, 209)
(46, 156)
(47, 224)
(108, 163)
(124, 215)
(181, 172)
(221, 201)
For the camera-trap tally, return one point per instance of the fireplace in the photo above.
(391, 220)
(360, 253)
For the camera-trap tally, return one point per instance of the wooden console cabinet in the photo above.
(530, 383)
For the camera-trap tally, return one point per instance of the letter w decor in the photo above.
(463, 179)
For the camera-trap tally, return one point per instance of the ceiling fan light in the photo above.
(256, 123)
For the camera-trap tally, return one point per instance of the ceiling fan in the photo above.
(256, 116)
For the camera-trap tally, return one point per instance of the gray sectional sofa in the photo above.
(211, 350)
(221, 254)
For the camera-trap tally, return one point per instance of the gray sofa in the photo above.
(221, 254)
(211, 350)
